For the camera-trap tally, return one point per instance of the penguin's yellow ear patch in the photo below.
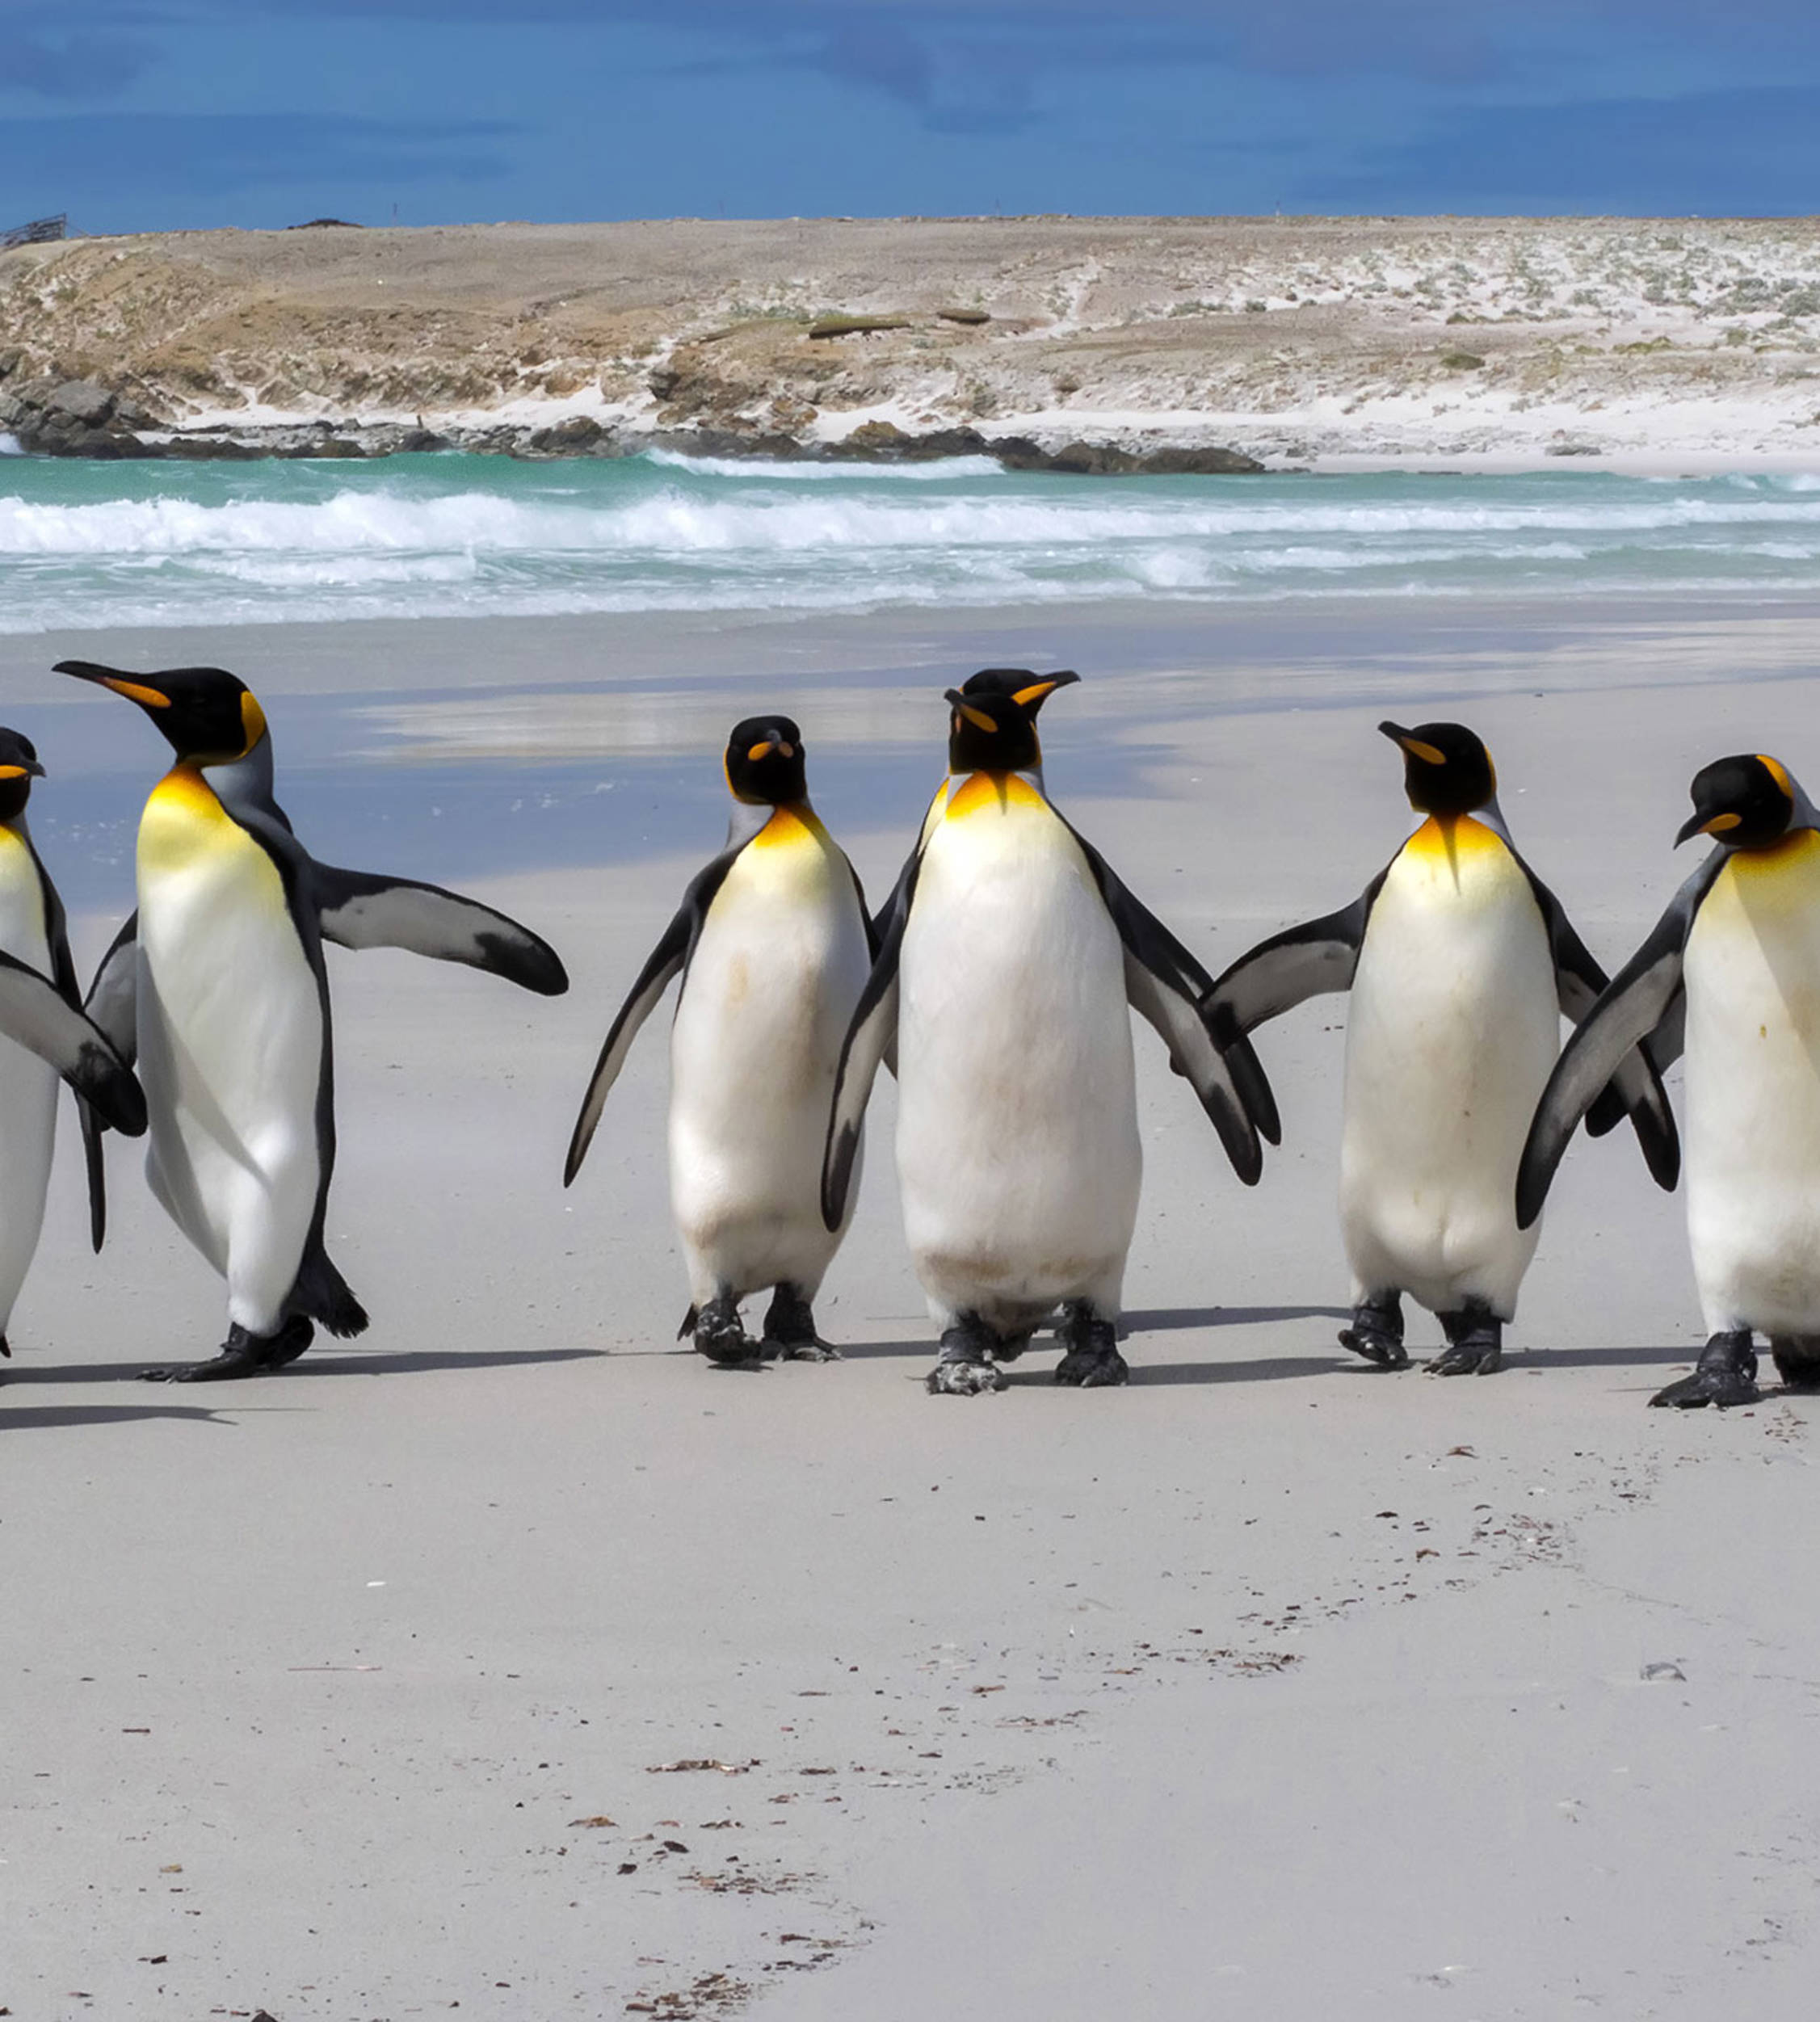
(1777, 772)
(134, 691)
(252, 720)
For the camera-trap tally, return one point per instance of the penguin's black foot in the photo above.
(790, 1335)
(1724, 1375)
(1092, 1361)
(242, 1354)
(1796, 1358)
(720, 1334)
(1475, 1344)
(965, 1368)
(1376, 1332)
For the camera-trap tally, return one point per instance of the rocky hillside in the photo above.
(1105, 341)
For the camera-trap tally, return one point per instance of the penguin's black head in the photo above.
(1746, 801)
(1446, 769)
(994, 726)
(19, 767)
(210, 717)
(765, 762)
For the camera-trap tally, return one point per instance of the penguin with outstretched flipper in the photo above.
(1730, 976)
(773, 945)
(217, 987)
(1461, 965)
(1011, 958)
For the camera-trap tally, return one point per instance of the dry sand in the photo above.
(1266, 1687)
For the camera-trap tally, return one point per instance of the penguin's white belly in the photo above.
(230, 1032)
(771, 988)
(1018, 1151)
(27, 1085)
(1752, 977)
(1453, 1027)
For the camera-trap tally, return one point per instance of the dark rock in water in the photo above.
(332, 446)
(725, 442)
(1199, 462)
(1017, 452)
(581, 436)
(420, 442)
(1107, 459)
(211, 449)
(955, 442)
(1094, 459)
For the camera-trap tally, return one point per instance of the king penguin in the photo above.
(1010, 957)
(1461, 965)
(41, 1009)
(1730, 974)
(773, 943)
(217, 986)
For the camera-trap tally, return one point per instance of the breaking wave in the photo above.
(98, 545)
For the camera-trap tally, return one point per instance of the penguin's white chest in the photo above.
(1017, 1150)
(27, 1085)
(1752, 977)
(1452, 1030)
(230, 1024)
(771, 988)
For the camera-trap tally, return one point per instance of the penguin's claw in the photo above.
(816, 1350)
(963, 1379)
(242, 1354)
(1469, 1358)
(229, 1365)
(789, 1330)
(1092, 1361)
(1725, 1375)
(1093, 1368)
(720, 1334)
(1385, 1350)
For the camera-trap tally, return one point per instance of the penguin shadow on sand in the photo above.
(59, 1417)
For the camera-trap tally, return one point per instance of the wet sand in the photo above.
(1267, 1686)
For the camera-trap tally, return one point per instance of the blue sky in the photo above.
(136, 115)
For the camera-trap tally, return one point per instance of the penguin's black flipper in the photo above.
(1635, 1089)
(1641, 996)
(113, 1004)
(871, 1038)
(669, 958)
(1318, 956)
(1192, 1054)
(35, 1012)
(359, 908)
(1166, 984)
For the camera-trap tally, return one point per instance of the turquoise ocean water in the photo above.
(96, 544)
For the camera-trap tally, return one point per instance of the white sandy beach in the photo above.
(1267, 1687)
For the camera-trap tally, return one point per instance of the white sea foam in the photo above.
(932, 470)
(10, 445)
(95, 544)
